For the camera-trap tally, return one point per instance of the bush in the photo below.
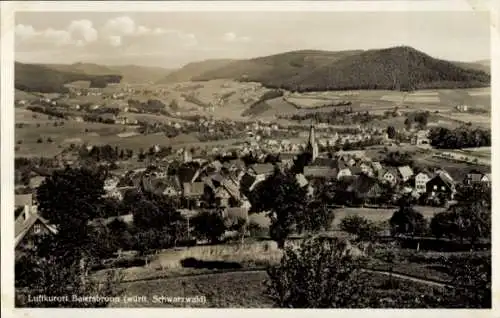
(209, 225)
(322, 273)
(364, 229)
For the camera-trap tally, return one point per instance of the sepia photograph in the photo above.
(251, 159)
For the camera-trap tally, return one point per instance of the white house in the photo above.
(421, 180)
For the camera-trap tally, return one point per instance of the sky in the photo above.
(173, 39)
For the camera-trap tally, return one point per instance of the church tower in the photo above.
(312, 146)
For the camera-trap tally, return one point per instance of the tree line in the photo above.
(462, 137)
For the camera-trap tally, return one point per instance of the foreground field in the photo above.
(226, 290)
(247, 289)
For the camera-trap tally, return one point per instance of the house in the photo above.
(473, 177)
(366, 168)
(377, 167)
(27, 226)
(441, 185)
(390, 175)
(462, 108)
(195, 189)
(420, 138)
(303, 182)
(486, 178)
(405, 173)
(421, 180)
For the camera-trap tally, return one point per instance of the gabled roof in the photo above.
(262, 168)
(405, 171)
(22, 226)
(232, 188)
(487, 176)
(446, 178)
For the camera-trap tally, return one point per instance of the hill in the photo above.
(192, 70)
(484, 65)
(39, 78)
(275, 68)
(397, 68)
(132, 74)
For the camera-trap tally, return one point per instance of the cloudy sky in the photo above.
(171, 40)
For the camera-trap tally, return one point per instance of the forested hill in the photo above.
(38, 78)
(397, 68)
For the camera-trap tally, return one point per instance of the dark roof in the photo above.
(320, 172)
(246, 182)
(187, 173)
(328, 162)
(262, 168)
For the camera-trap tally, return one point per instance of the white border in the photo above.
(8, 10)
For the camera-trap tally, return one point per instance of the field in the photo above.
(238, 289)
(27, 137)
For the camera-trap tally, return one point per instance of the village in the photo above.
(224, 183)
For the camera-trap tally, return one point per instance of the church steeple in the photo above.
(312, 146)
